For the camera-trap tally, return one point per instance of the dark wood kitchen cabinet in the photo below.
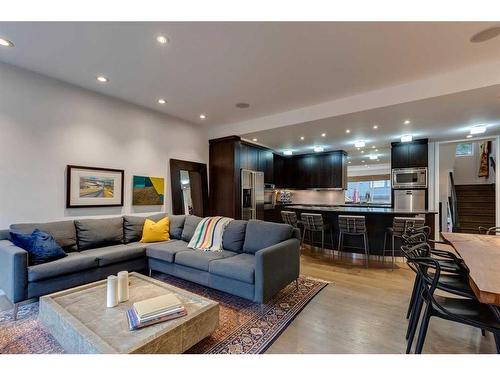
(322, 171)
(409, 154)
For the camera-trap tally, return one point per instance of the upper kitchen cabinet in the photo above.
(257, 158)
(313, 171)
(409, 154)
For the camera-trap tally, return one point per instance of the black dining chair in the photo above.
(466, 311)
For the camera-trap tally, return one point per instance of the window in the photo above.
(374, 191)
(463, 149)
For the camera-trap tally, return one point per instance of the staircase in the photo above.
(475, 207)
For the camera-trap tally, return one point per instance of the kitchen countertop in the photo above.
(350, 209)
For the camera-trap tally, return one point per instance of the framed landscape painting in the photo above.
(148, 191)
(94, 187)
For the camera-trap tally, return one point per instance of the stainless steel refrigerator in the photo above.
(252, 195)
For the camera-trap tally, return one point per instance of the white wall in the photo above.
(46, 124)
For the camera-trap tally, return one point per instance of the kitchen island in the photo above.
(378, 219)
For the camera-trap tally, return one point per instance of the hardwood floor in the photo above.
(363, 311)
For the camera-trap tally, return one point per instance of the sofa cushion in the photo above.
(132, 226)
(200, 259)
(234, 236)
(41, 246)
(176, 226)
(93, 233)
(117, 253)
(262, 234)
(74, 262)
(240, 267)
(166, 251)
(64, 232)
(190, 225)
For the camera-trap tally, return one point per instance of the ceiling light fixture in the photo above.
(318, 149)
(479, 129)
(375, 126)
(6, 43)
(373, 157)
(347, 131)
(376, 150)
(362, 152)
(406, 138)
(407, 122)
(359, 144)
(203, 116)
(255, 139)
(486, 35)
(287, 152)
(349, 162)
(162, 101)
(362, 161)
(469, 136)
(162, 39)
(301, 138)
(323, 134)
(102, 79)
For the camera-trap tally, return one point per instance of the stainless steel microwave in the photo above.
(406, 178)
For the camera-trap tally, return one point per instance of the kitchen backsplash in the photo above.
(318, 197)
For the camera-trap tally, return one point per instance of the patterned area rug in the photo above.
(243, 329)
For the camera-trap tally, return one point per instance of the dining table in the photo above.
(481, 255)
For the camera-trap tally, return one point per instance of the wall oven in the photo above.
(409, 178)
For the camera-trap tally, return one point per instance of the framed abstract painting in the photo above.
(94, 187)
(148, 191)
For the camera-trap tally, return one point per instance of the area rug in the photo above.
(243, 328)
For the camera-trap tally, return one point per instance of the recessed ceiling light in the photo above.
(375, 126)
(318, 149)
(407, 122)
(376, 150)
(102, 79)
(362, 152)
(162, 39)
(6, 43)
(323, 134)
(287, 152)
(242, 105)
(347, 131)
(203, 116)
(349, 162)
(359, 144)
(255, 139)
(301, 138)
(485, 35)
(373, 146)
(469, 136)
(406, 138)
(161, 101)
(362, 161)
(373, 157)
(479, 129)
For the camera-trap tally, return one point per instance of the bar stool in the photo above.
(290, 218)
(353, 226)
(399, 226)
(314, 223)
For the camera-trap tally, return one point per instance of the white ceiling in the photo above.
(208, 67)
(447, 117)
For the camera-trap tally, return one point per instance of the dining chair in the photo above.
(466, 311)
(488, 231)
(399, 227)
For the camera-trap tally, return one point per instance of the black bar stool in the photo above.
(290, 218)
(353, 226)
(399, 226)
(314, 223)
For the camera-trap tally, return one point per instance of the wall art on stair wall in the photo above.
(148, 191)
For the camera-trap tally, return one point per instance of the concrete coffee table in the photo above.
(80, 321)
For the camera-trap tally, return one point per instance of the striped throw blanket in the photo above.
(208, 234)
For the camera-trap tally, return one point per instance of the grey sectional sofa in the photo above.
(258, 260)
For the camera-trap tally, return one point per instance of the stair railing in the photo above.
(452, 202)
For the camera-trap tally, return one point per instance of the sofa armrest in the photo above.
(13, 271)
(275, 267)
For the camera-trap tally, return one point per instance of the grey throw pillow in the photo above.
(176, 226)
(94, 233)
(234, 236)
(190, 225)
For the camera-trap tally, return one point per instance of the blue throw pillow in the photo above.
(41, 246)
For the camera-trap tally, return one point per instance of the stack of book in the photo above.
(155, 310)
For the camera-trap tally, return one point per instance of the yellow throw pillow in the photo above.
(156, 232)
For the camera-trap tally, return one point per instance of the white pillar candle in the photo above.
(123, 293)
(112, 293)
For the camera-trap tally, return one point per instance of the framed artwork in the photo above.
(94, 187)
(148, 191)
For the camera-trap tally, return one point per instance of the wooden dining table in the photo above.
(481, 255)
